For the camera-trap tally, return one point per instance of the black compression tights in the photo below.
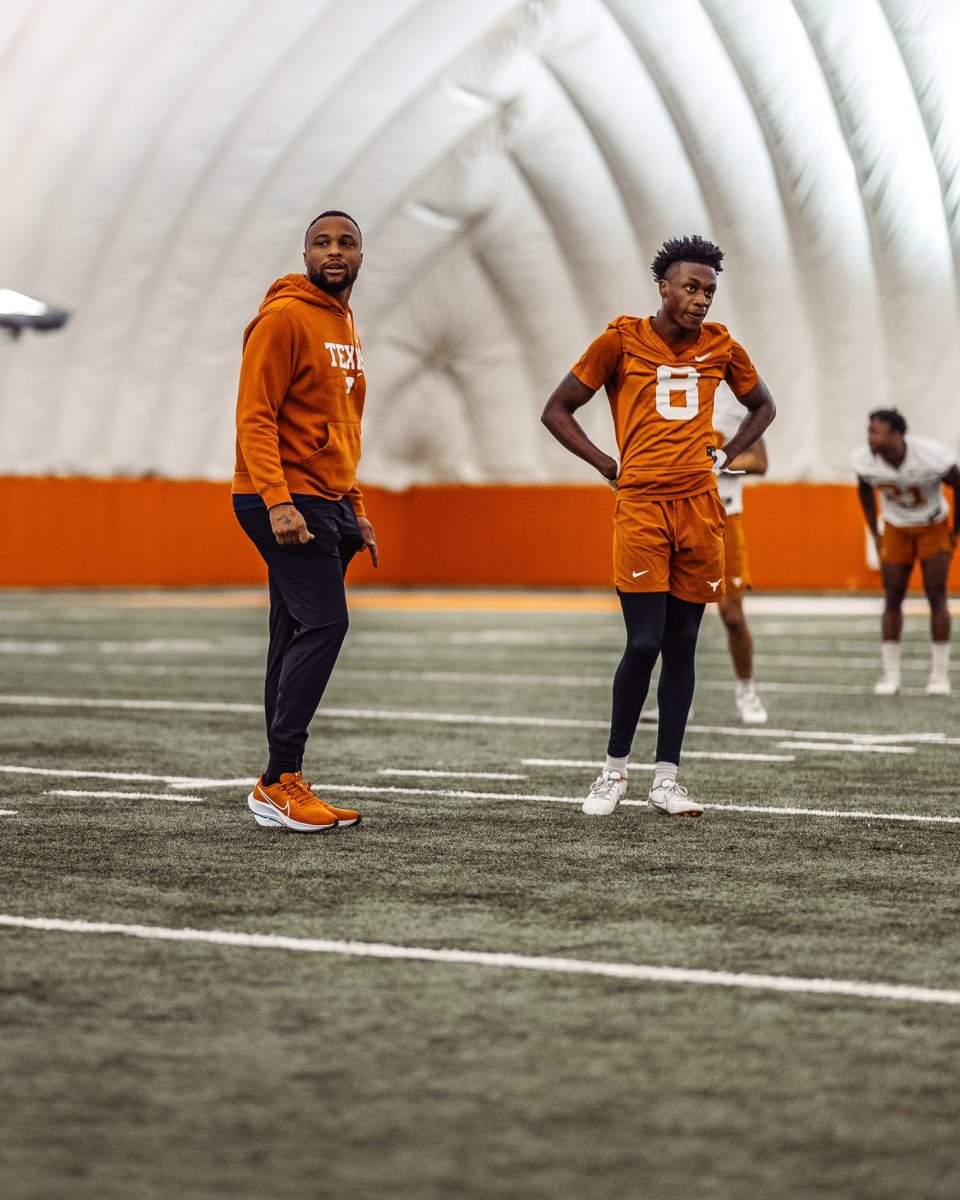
(658, 625)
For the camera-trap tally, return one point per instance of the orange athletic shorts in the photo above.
(673, 546)
(736, 569)
(902, 545)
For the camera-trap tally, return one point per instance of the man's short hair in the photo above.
(331, 212)
(892, 417)
(688, 249)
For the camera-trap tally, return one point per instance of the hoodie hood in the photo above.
(300, 399)
(298, 287)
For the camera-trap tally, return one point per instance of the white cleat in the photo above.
(672, 800)
(939, 685)
(605, 794)
(750, 708)
(889, 685)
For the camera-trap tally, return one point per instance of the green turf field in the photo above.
(163, 1065)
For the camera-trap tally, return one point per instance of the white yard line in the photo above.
(854, 814)
(355, 714)
(427, 718)
(335, 790)
(21, 646)
(332, 788)
(180, 799)
(449, 718)
(640, 766)
(212, 706)
(813, 689)
(825, 735)
(855, 747)
(475, 677)
(834, 606)
(124, 776)
(639, 973)
(449, 774)
(239, 645)
(180, 671)
(814, 661)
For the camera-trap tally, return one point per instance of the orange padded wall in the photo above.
(119, 532)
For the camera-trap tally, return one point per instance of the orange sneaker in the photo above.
(290, 804)
(345, 816)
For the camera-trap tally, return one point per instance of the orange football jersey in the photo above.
(661, 398)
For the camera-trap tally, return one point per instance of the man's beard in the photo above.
(333, 289)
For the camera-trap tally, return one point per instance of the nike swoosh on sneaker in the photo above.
(281, 808)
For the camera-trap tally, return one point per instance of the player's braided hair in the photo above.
(330, 212)
(892, 417)
(687, 249)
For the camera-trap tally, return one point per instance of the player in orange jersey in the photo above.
(727, 416)
(660, 374)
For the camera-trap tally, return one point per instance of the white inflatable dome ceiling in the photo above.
(514, 165)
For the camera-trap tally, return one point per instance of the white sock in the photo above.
(891, 659)
(940, 661)
(744, 687)
(664, 772)
(616, 764)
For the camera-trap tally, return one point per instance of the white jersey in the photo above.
(728, 413)
(911, 494)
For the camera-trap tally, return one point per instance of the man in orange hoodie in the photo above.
(295, 495)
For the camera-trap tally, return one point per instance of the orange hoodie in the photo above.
(301, 397)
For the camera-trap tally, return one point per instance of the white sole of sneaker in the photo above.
(664, 812)
(269, 818)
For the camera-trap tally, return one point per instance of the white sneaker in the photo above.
(750, 708)
(939, 685)
(889, 685)
(605, 794)
(672, 800)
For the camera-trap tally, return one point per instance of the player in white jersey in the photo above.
(736, 580)
(909, 473)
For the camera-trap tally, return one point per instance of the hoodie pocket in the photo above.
(334, 464)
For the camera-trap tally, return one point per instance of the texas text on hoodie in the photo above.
(301, 398)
